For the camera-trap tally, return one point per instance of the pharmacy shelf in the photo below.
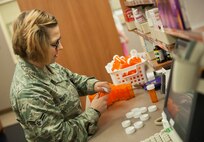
(167, 47)
(139, 2)
(197, 34)
(157, 66)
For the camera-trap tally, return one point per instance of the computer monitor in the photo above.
(185, 113)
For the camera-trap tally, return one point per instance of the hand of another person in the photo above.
(103, 87)
(99, 103)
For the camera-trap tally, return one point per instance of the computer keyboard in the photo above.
(162, 136)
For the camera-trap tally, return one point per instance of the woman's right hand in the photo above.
(99, 103)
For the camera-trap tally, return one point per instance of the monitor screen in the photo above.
(179, 108)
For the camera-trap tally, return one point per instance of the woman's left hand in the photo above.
(102, 86)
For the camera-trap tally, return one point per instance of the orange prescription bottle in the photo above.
(118, 92)
(152, 93)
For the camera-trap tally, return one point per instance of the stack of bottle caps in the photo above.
(118, 93)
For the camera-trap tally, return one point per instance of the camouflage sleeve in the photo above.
(84, 84)
(45, 122)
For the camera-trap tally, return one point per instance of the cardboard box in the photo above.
(163, 37)
(152, 32)
(144, 27)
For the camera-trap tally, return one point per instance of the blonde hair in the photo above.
(31, 39)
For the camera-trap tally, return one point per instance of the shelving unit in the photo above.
(157, 66)
(156, 42)
(148, 37)
(197, 35)
(138, 3)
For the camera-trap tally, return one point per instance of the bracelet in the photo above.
(99, 113)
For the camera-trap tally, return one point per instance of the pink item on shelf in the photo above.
(125, 49)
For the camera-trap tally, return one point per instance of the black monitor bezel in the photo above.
(184, 137)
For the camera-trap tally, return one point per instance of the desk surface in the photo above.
(110, 129)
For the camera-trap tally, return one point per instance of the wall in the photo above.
(8, 11)
(134, 40)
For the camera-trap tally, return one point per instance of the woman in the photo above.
(45, 95)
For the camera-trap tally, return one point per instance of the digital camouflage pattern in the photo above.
(47, 103)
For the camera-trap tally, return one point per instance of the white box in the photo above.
(163, 37)
(144, 27)
(152, 32)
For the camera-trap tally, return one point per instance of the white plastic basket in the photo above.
(136, 78)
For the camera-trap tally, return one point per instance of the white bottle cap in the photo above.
(150, 87)
(105, 89)
(130, 130)
(138, 124)
(133, 53)
(129, 114)
(135, 109)
(150, 76)
(126, 123)
(115, 56)
(137, 114)
(144, 117)
(152, 108)
(143, 109)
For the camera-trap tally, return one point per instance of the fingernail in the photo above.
(105, 89)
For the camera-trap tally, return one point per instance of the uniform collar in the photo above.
(41, 74)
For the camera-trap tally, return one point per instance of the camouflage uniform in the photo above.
(47, 103)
